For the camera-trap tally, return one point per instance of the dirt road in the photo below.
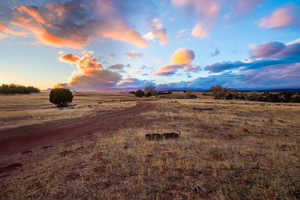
(22, 139)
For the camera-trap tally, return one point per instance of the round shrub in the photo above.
(139, 93)
(61, 97)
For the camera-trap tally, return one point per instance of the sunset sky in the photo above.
(111, 44)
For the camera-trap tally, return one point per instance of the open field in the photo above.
(96, 149)
(20, 110)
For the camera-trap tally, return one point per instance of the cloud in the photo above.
(98, 80)
(149, 36)
(276, 50)
(2, 35)
(191, 68)
(206, 12)
(90, 75)
(69, 58)
(220, 67)
(134, 83)
(7, 30)
(280, 74)
(117, 67)
(61, 85)
(245, 6)
(287, 16)
(263, 55)
(183, 56)
(133, 55)
(199, 31)
(181, 33)
(158, 61)
(271, 77)
(215, 53)
(167, 70)
(135, 71)
(76, 23)
(159, 32)
(181, 59)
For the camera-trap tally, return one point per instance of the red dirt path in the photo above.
(22, 139)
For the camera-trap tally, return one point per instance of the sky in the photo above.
(174, 44)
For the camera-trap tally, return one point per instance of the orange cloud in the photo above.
(183, 56)
(72, 40)
(60, 85)
(69, 58)
(181, 59)
(61, 25)
(7, 30)
(281, 17)
(89, 74)
(114, 26)
(32, 12)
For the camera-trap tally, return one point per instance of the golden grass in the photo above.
(239, 150)
(21, 110)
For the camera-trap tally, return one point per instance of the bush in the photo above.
(17, 89)
(295, 98)
(190, 96)
(61, 97)
(219, 92)
(139, 93)
(150, 91)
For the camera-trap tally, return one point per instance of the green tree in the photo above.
(61, 97)
(150, 91)
(139, 93)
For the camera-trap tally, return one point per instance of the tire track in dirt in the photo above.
(21, 139)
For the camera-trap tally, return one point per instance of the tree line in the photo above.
(17, 89)
(220, 92)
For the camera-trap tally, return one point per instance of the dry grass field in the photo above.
(20, 110)
(227, 149)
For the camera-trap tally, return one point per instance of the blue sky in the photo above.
(110, 44)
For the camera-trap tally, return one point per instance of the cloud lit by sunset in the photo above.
(191, 43)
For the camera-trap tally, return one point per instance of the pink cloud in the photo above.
(276, 50)
(9, 31)
(159, 32)
(61, 25)
(206, 11)
(200, 31)
(134, 54)
(33, 12)
(267, 49)
(282, 17)
(244, 6)
(167, 70)
(2, 36)
(114, 25)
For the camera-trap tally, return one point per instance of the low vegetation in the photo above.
(17, 89)
(151, 91)
(147, 92)
(286, 96)
(61, 97)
